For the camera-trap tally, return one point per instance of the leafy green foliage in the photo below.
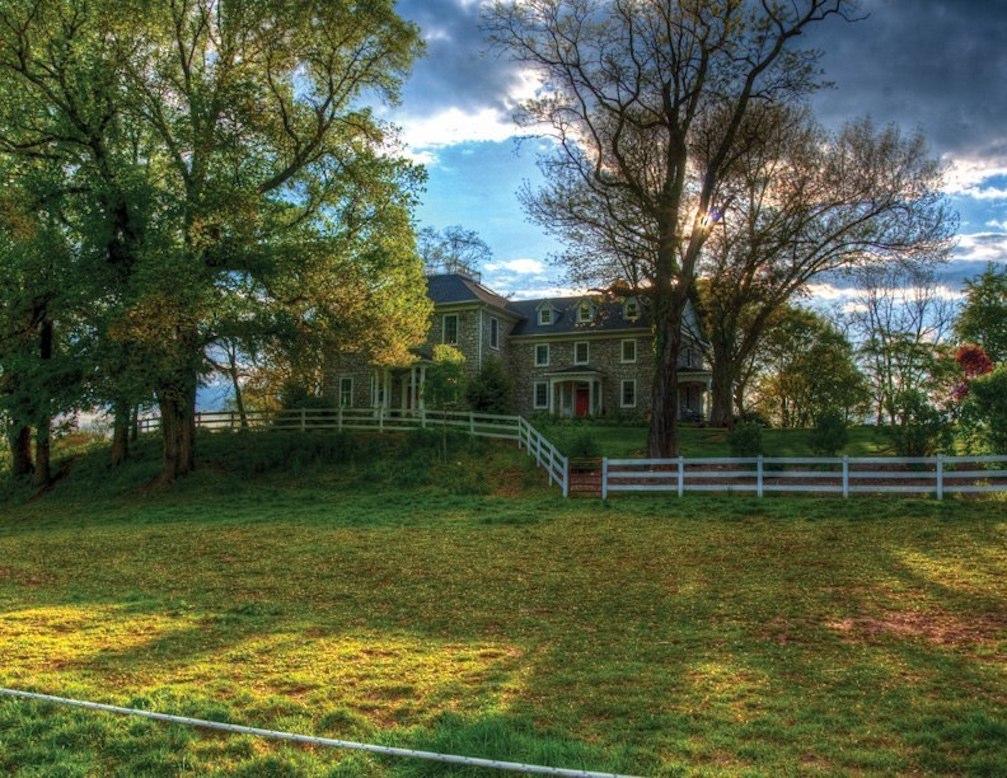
(491, 390)
(830, 434)
(807, 368)
(583, 445)
(919, 429)
(745, 440)
(985, 411)
(983, 318)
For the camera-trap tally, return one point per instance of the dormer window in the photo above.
(545, 316)
(631, 309)
(585, 313)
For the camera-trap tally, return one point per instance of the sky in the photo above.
(938, 66)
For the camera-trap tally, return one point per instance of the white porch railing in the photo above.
(482, 425)
(937, 475)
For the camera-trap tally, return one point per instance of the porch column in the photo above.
(388, 389)
(423, 380)
(590, 397)
(552, 395)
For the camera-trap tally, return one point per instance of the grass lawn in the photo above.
(460, 606)
(631, 440)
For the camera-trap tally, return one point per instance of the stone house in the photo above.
(568, 356)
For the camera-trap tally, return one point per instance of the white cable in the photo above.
(492, 764)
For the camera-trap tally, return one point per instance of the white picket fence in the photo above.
(937, 475)
(482, 425)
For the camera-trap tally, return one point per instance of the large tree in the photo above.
(648, 101)
(983, 318)
(224, 155)
(800, 205)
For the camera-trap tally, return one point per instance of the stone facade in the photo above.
(597, 365)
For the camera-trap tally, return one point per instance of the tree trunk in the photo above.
(238, 399)
(722, 406)
(120, 433)
(20, 450)
(177, 402)
(43, 467)
(662, 441)
(134, 423)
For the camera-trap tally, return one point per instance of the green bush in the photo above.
(985, 410)
(745, 440)
(920, 429)
(830, 434)
(583, 445)
(492, 390)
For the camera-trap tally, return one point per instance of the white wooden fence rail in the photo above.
(937, 475)
(482, 425)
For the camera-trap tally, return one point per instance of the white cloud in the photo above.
(824, 292)
(422, 135)
(997, 225)
(547, 291)
(966, 177)
(523, 265)
(981, 247)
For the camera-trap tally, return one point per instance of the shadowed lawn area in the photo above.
(631, 440)
(653, 636)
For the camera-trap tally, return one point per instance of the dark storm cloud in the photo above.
(458, 69)
(940, 65)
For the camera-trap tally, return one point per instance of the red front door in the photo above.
(581, 401)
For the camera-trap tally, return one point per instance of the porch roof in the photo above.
(582, 371)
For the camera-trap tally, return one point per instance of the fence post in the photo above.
(423, 418)
(340, 417)
(846, 476)
(472, 423)
(681, 476)
(232, 420)
(604, 478)
(940, 476)
(304, 420)
(381, 418)
(566, 476)
(758, 476)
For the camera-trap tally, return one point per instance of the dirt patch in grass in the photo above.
(936, 627)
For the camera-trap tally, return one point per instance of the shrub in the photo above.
(830, 434)
(584, 445)
(745, 440)
(492, 390)
(920, 429)
(985, 412)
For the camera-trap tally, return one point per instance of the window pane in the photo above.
(629, 350)
(628, 393)
(494, 333)
(451, 329)
(541, 395)
(580, 353)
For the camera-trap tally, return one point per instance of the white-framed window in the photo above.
(541, 355)
(631, 310)
(585, 313)
(545, 316)
(449, 332)
(377, 390)
(581, 352)
(628, 350)
(627, 393)
(494, 332)
(346, 391)
(541, 394)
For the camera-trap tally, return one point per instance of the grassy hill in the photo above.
(627, 440)
(370, 588)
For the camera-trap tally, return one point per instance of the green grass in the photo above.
(629, 440)
(293, 583)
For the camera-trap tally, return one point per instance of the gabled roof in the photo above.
(608, 316)
(455, 288)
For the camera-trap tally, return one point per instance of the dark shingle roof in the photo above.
(455, 288)
(450, 288)
(608, 316)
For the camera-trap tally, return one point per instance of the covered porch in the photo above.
(399, 389)
(575, 393)
(694, 396)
